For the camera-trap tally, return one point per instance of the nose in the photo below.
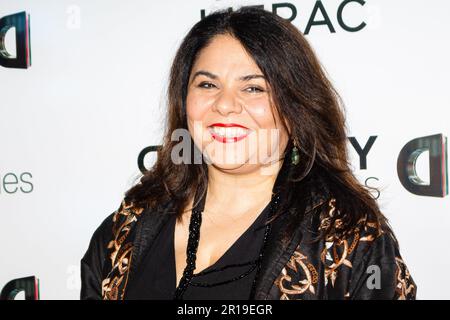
(227, 103)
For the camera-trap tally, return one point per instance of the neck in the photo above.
(242, 192)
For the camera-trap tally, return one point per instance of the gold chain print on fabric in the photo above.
(285, 282)
(336, 251)
(333, 256)
(120, 253)
(405, 286)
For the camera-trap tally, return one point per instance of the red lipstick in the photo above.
(222, 137)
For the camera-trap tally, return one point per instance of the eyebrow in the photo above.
(213, 76)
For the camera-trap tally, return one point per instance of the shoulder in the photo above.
(99, 242)
(369, 234)
(363, 262)
(104, 245)
(92, 262)
(113, 224)
(368, 252)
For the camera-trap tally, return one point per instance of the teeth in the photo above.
(229, 132)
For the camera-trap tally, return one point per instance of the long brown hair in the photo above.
(303, 96)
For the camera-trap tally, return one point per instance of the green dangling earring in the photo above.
(295, 157)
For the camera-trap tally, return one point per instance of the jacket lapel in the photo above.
(278, 251)
(147, 228)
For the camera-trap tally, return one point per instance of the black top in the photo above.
(156, 278)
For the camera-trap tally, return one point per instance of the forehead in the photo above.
(225, 52)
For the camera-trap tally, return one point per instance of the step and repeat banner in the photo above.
(82, 103)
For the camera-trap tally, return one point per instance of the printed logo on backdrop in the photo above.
(18, 25)
(13, 183)
(319, 16)
(435, 185)
(434, 145)
(21, 58)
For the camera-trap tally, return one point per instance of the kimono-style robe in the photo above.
(364, 265)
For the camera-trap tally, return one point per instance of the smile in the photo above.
(229, 132)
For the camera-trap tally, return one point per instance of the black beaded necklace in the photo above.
(192, 246)
(194, 234)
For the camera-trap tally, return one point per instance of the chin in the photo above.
(235, 168)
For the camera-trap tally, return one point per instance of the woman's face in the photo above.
(230, 112)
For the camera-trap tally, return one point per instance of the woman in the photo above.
(263, 203)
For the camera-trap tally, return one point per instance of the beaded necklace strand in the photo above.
(192, 246)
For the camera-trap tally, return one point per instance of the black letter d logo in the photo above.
(436, 145)
(22, 59)
(29, 284)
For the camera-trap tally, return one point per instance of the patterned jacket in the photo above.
(364, 265)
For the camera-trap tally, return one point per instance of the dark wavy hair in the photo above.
(303, 97)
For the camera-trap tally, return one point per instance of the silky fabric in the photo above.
(364, 264)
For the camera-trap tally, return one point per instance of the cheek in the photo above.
(196, 107)
(196, 112)
(271, 134)
(261, 112)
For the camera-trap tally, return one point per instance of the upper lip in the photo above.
(227, 125)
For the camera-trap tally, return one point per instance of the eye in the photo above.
(254, 89)
(206, 85)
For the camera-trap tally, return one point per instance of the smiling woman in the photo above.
(272, 210)
(229, 97)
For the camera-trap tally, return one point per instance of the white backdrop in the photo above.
(72, 125)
